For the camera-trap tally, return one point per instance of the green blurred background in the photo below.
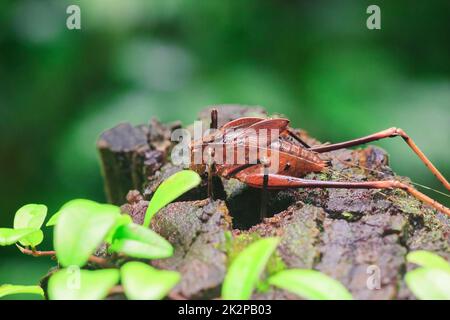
(314, 61)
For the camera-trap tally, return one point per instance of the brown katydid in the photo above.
(295, 158)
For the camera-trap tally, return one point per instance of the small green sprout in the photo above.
(122, 220)
(310, 284)
(27, 224)
(427, 259)
(169, 190)
(76, 284)
(143, 282)
(432, 280)
(83, 205)
(81, 227)
(9, 289)
(9, 236)
(31, 216)
(245, 270)
(139, 242)
(244, 274)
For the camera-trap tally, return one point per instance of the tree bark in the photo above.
(130, 154)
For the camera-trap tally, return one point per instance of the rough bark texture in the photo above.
(347, 234)
(131, 154)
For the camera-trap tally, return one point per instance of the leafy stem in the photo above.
(81, 226)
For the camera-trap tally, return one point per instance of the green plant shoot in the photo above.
(143, 282)
(432, 280)
(244, 272)
(31, 216)
(9, 236)
(76, 284)
(140, 242)
(9, 289)
(427, 259)
(429, 283)
(169, 190)
(310, 284)
(81, 228)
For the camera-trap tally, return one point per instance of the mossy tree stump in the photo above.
(351, 235)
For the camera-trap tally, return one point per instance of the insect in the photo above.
(294, 158)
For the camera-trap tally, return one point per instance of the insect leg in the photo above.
(211, 163)
(213, 124)
(296, 137)
(211, 169)
(279, 182)
(388, 133)
(264, 192)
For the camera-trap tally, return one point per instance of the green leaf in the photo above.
(245, 270)
(10, 236)
(427, 259)
(53, 219)
(31, 216)
(124, 219)
(9, 289)
(429, 283)
(143, 282)
(82, 225)
(310, 284)
(33, 239)
(78, 284)
(140, 242)
(169, 190)
(77, 205)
